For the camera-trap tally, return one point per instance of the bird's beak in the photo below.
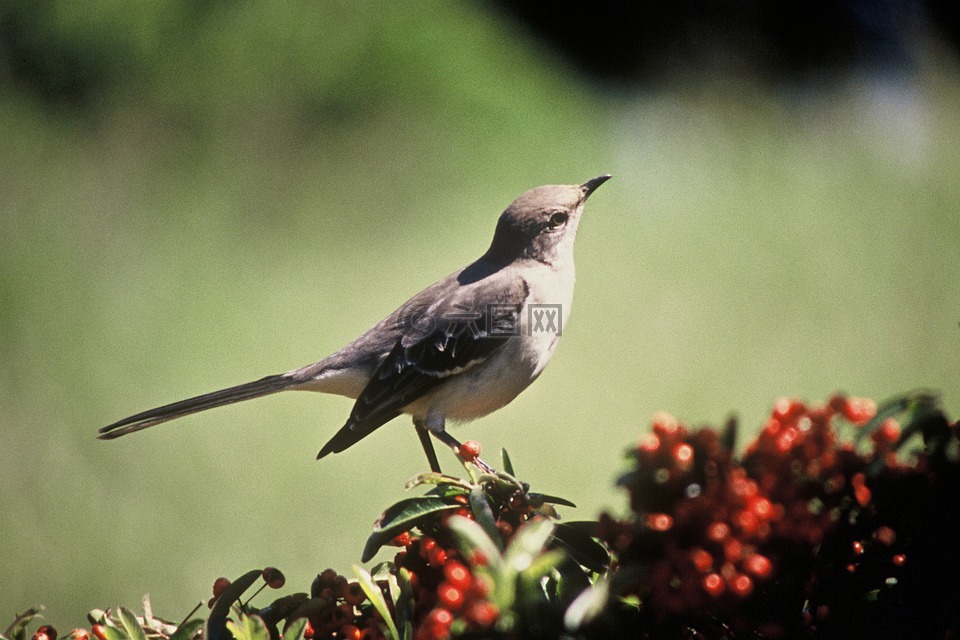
(590, 186)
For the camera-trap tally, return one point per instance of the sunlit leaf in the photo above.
(540, 498)
(295, 630)
(187, 630)
(587, 606)
(18, 628)
(375, 595)
(471, 539)
(249, 627)
(131, 625)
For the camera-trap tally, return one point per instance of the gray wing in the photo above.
(439, 341)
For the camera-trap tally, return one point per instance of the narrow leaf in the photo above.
(527, 543)
(400, 517)
(432, 477)
(375, 596)
(249, 627)
(131, 625)
(216, 623)
(187, 630)
(18, 628)
(576, 538)
(480, 507)
(471, 538)
(540, 498)
(507, 464)
(295, 630)
(587, 606)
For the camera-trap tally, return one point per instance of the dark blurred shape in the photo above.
(642, 42)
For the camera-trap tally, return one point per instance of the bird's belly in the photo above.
(490, 385)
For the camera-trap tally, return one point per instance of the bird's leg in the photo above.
(427, 445)
(452, 442)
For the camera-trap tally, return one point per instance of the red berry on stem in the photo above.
(80, 634)
(470, 450)
(273, 577)
(219, 586)
(899, 560)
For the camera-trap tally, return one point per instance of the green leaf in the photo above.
(112, 632)
(539, 498)
(131, 625)
(432, 477)
(404, 603)
(400, 517)
(249, 627)
(216, 623)
(375, 595)
(295, 630)
(527, 543)
(507, 464)
(472, 538)
(187, 630)
(588, 605)
(480, 506)
(576, 538)
(18, 628)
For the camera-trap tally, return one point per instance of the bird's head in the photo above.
(542, 223)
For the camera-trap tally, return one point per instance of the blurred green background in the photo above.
(193, 196)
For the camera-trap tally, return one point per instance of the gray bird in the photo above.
(460, 349)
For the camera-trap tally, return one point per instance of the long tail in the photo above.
(145, 419)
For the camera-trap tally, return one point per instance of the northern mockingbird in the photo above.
(461, 348)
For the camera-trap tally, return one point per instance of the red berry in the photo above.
(219, 586)
(47, 632)
(354, 594)
(683, 456)
(457, 574)
(402, 540)
(759, 565)
(859, 410)
(885, 535)
(308, 631)
(702, 559)
(273, 577)
(349, 632)
(899, 560)
(718, 531)
(857, 547)
(80, 634)
(713, 585)
(741, 586)
(482, 614)
(470, 450)
(99, 631)
(450, 597)
(659, 521)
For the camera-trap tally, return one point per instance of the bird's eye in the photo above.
(558, 219)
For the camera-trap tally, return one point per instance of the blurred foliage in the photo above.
(196, 194)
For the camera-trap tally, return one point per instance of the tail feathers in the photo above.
(352, 432)
(145, 419)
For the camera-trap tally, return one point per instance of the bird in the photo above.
(459, 349)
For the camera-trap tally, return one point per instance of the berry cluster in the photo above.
(338, 612)
(774, 544)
